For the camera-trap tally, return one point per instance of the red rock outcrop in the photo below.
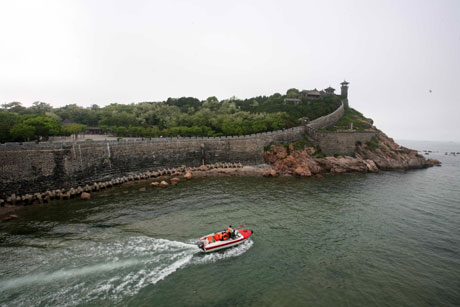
(384, 155)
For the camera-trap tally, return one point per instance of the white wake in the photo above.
(104, 271)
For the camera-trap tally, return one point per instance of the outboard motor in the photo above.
(200, 245)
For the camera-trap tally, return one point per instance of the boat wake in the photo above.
(103, 271)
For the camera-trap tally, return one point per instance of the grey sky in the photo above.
(99, 52)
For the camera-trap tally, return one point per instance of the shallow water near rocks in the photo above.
(388, 239)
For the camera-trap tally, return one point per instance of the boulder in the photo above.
(85, 195)
(9, 217)
(303, 171)
(188, 175)
(154, 184)
(433, 162)
(267, 172)
(38, 196)
(270, 173)
(164, 184)
(174, 180)
(203, 168)
(319, 176)
(371, 166)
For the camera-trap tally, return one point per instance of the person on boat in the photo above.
(225, 236)
(231, 232)
(210, 239)
(216, 236)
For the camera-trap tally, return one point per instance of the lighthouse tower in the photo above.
(344, 91)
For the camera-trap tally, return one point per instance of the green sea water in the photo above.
(386, 239)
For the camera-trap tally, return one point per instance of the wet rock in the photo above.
(174, 180)
(38, 197)
(319, 176)
(270, 173)
(188, 175)
(371, 166)
(203, 168)
(142, 189)
(433, 162)
(164, 184)
(85, 195)
(12, 199)
(302, 171)
(154, 184)
(9, 217)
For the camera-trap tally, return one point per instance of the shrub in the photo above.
(373, 144)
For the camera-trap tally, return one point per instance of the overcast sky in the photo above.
(99, 52)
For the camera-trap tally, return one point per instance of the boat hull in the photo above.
(241, 236)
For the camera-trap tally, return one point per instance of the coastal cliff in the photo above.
(381, 153)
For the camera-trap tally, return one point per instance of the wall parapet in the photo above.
(156, 139)
(329, 119)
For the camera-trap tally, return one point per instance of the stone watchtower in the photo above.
(344, 91)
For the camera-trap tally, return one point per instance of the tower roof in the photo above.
(345, 82)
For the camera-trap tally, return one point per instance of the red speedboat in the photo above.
(238, 236)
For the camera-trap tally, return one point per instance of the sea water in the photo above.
(386, 239)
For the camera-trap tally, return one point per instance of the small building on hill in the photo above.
(329, 91)
(293, 100)
(313, 94)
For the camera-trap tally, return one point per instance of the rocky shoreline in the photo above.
(281, 160)
(383, 154)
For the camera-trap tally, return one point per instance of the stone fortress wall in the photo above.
(31, 167)
(328, 120)
(343, 142)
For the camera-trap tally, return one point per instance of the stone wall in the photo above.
(342, 143)
(331, 143)
(30, 167)
(328, 120)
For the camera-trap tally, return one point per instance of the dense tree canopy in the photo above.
(186, 116)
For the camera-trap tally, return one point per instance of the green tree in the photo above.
(292, 93)
(44, 126)
(15, 107)
(39, 107)
(22, 132)
(74, 129)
